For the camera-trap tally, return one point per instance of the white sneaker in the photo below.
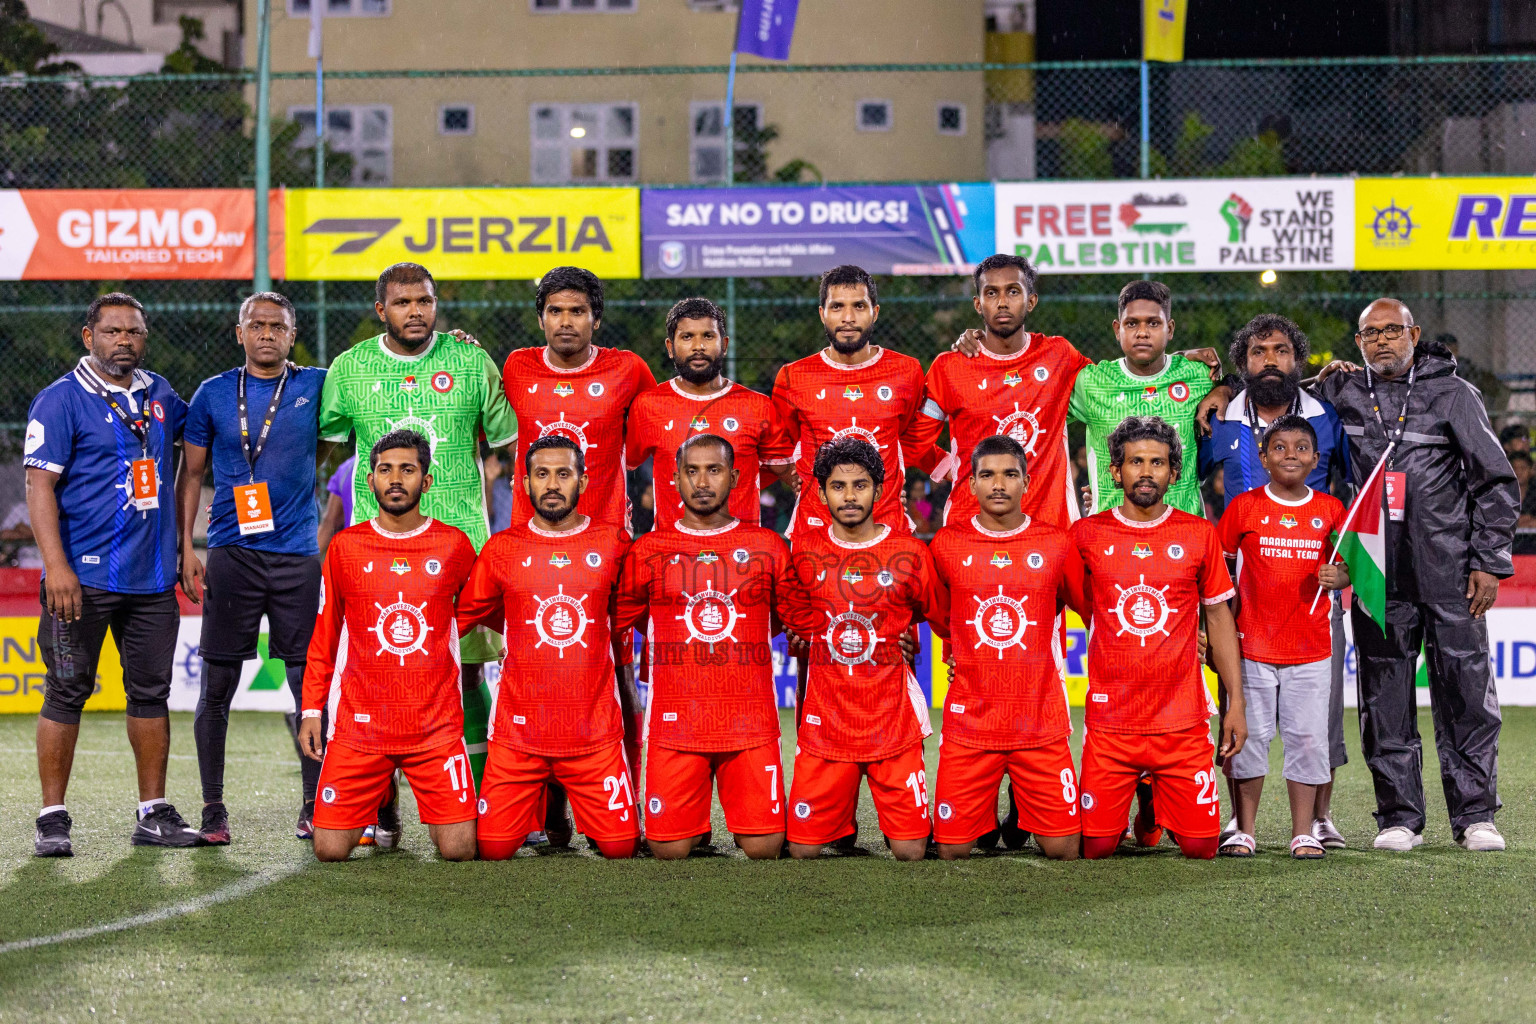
(1481, 835)
(1324, 831)
(1397, 839)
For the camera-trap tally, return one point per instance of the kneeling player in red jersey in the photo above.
(708, 587)
(557, 718)
(1006, 708)
(855, 587)
(388, 591)
(1150, 567)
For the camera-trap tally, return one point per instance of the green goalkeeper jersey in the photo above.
(1106, 393)
(450, 393)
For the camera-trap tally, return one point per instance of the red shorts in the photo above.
(512, 792)
(1183, 775)
(965, 799)
(677, 791)
(824, 795)
(353, 785)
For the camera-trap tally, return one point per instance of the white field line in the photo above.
(174, 757)
(232, 891)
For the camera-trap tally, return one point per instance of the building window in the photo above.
(340, 8)
(456, 119)
(951, 118)
(585, 142)
(874, 115)
(706, 138)
(581, 6)
(365, 133)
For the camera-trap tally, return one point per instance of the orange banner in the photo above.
(139, 234)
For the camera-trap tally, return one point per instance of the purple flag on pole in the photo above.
(766, 28)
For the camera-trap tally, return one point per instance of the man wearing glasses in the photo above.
(1451, 523)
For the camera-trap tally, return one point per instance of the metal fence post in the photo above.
(263, 271)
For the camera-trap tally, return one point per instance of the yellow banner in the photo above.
(351, 234)
(1162, 30)
(22, 673)
(1445, 223)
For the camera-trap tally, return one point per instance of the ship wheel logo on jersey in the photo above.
(561, 620)
(401, 628)
(854, 430)
(710, 616)
(1142, 610)
(1022, 425)
(565, 428)
(1000, 622)
(851, 638)
(421, 424)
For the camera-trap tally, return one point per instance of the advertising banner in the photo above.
(23, 674)
(795, 232)
(133, 234)
(350, 234)
(1134, 227)
(1445, 223)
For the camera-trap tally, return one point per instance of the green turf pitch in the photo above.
(1439, 934)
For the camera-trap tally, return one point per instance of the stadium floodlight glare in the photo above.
(1268, 278)
(578, 132)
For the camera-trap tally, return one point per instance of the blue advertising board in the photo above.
(801, 231)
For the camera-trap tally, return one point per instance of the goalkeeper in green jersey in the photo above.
(413, 377)
(1147, 381)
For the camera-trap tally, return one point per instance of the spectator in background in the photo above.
(1525, 526)
(1080, 475)
(498, 490)
(1515, 438)
(919, 508)
(338, 506)
(1495, 392)
(1215, 492)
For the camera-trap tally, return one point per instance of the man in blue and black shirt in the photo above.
(100, 459)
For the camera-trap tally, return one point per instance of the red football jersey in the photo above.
(1004, 593)
(587, 405)
(878, 400)
(1146, 583)
(665, 416)
(852, 602)
(554, 593)
(1279, 545)
(709, 596)
(1025, 396)
(386, 626)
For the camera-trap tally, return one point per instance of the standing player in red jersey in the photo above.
(1020, 387)
(387, 618)
(707, 589)
(855, 586)
(852, 388)
(572, 388)
(552, 581)
(1006, 708)
(699, 400)
(1150, 569)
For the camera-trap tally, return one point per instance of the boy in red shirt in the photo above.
(705, 592)
(1007, 577)
(1278, 535)
(388, 592)
(558, 719)
(855, 587)
(1150, 568)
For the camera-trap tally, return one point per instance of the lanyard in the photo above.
(1393, 439)
(252, 454)
(137, 425)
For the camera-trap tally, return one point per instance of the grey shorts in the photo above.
(1293, 698)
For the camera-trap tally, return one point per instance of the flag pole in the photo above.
(730, 180)
(1349, 518)
(316, 44)
(262, 273)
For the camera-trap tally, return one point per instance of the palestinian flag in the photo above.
(1362, 545)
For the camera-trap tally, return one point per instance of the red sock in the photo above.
(1199, 849)
(498, 849)
(617, 849)
(1099, 847)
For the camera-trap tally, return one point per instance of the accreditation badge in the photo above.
(253, 508)
(1397, 495)
(144, 481)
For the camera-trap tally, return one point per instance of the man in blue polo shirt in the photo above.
(258, 424)
(99, 456)
(1269, 353)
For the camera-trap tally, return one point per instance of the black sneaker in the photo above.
(305, 828)
(164, 827)
(559, 836)
(386, 835)
(215, 830)
(52, 838)
(1013, 837)
(987, 843)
